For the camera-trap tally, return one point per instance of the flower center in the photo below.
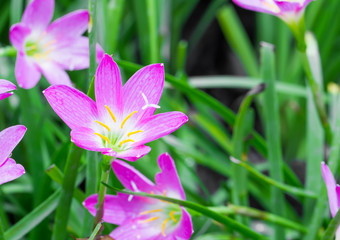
(40, 48)
(117, 138)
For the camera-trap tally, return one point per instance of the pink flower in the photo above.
(49, 49)
(9, 138)
(5, 89)
(333, 191)
(145, 218)
(288, 10)
(121, 120)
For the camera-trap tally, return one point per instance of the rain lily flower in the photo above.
(121, 120)
(333, 191)
(145, 218)
(50, 49)
(9, 138)
(5, 89)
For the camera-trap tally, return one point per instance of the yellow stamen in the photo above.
(172, 216)
(164, 193)
(109, 110)
(163, 227)
(125, 141)
(152, 192)
(148, 220)
(127, 119)
(103, 137)
(49, 43)
(41, 36)
(151, 211)
(131, 133)
(42, 55)
(104, 125)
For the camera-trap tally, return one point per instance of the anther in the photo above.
(131, 133)
(110, 112)
(148, 220)
(104, 125)
(172, 216)
(125, 141)
(163, 226)
(151, 211)
(124, 121)
(103, 137)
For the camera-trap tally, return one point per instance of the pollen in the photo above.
(148, 220)
(103, 137)
(172, 216)
(125, 141)
(124, 121)
(110, 112)
(131, 133)
(163, 226)
(104, 125)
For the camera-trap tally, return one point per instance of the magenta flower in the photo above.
(50, 49)
(9, 138)
(5, 89)
(145, 218)
(333, 191)
(288, 10)
(121, 120)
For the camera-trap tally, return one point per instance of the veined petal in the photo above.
(71, 25)
(159, 125)
(108, 87)
(26, 72)
(86, 138)
(5, 88)
(38, 14)
(10, 171)
(9, 138)
(54, 74)
(131, 178)
(184, 228)
(148, 81)
(117, 209)
(266, 6)
(18, 34)
(331, 188)
(73, 53)
(133, 154)
(72, 106)
(173, 187)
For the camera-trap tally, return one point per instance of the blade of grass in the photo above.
(332, 228)
(272, 132)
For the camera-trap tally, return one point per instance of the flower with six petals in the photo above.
(145, 218)
(9, 138)
(121, 120)
(50, 49)
(6, 88)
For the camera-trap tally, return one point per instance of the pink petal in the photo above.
(71, 25)
(72, 106)
(117, 209)
(26, 72)
(331, 188)
(85, 138)
(10, 171)
(184, 228)
(168, 179)
(149, 80)
(131, 178)
(54, 73)
(5, 88)
(133, 154)
(259, 6)
(38, 14)
(159, 125)
(108, 87)
(73, 53)
(18, 34)
(9, 138)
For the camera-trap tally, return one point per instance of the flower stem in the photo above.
(8, 51)
(92, 37)
(106, 166)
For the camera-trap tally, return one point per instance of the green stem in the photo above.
(92, 37)
(2, 233)
(8, 51)
(106, 166)
(96, 230)
(317, 96)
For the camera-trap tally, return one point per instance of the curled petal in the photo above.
(72, 106)
(9, 138)
(10, 171)
(5, 88)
